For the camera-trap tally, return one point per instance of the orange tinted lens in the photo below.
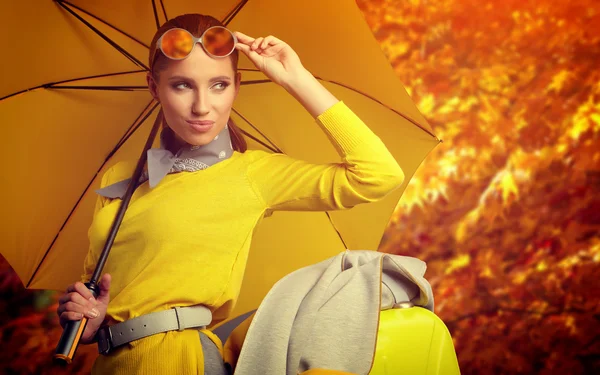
(177, 43)
(218, 41)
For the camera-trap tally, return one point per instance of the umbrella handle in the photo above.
(69, 340)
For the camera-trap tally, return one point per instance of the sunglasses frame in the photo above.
(196, 41)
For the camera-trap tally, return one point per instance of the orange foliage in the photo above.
(506, 211)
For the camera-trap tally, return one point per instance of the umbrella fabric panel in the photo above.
(299, 136)
(333, 41)
(282, 244)
(137, 17)
(364, 225)
(64, 263)
(58, 141)
(46, 44)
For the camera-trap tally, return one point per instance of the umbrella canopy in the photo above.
(73, 102)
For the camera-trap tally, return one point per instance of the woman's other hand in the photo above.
(78, 302)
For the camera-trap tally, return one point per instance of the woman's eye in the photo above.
(181, 86)
(221, 86)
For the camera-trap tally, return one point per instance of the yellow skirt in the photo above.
(173, 352)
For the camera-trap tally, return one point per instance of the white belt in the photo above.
(177, 318)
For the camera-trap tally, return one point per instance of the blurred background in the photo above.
(506, 211)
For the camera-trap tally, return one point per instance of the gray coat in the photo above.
(326, 315)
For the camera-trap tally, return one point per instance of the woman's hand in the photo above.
(280, 63)
(275, 58)
(78, 302)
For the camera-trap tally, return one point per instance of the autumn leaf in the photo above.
(558, 81)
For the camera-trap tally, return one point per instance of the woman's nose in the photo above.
(200, 106)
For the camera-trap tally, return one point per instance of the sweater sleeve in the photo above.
(367, 171)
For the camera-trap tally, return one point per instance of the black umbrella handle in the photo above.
(69, 340)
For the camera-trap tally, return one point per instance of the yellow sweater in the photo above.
(186, 241)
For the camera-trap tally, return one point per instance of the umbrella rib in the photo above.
(101, 88)
(234, 12)
(336, 230)
(164, 10)
(258, 141)
(274, 147)
(132, 129)
(155, 13)
(106, 38)
(85, 190)
(49, 85)
(106, 23)
(257, 81)
(408, 118)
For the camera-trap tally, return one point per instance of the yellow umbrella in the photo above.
(73, 102)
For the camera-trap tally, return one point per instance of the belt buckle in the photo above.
(104, 336)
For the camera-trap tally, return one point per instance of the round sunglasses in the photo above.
(217, 41)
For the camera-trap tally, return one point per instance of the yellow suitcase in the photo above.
(413, 340)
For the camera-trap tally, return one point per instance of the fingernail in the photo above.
(92, 300)
(93, 313)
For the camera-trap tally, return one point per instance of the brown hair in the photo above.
(195, 24)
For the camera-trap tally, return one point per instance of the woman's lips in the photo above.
(201, 126)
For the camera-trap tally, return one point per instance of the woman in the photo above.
(185, 238)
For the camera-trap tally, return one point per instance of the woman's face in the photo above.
(196, 95)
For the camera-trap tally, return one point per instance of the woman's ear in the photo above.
(238, 81)
(152, 86)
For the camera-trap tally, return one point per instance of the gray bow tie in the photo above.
(188, 159)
